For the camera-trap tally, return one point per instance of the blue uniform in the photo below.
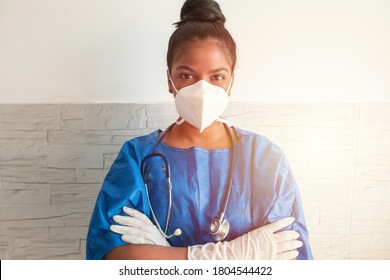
(263, 190)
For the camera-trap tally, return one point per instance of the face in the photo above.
(201, 60)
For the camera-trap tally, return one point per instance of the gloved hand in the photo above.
(262, 243)
(137, 228)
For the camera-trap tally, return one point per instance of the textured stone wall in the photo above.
(53, 159)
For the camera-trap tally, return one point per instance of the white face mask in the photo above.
(200, 104)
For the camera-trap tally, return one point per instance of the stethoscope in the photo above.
(219, 227)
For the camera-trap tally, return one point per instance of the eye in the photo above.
(218, 77)
(186, 76)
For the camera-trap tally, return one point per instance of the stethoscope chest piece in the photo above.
(219, 230)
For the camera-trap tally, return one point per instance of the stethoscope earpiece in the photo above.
(177, 232)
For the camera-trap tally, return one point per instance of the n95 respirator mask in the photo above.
(201, 103)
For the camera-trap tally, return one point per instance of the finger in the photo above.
(135, 239)
(122, 220)
(288, 246)
(137, 214)
(129, 221)
(279, 224)
(134, 235)
(286, 236)
(125, 230)
(290, 255)
(126, 221)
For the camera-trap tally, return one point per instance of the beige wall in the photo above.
(54, 157)
(100, 51)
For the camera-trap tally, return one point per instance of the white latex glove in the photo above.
(262, 243)
(137, 228)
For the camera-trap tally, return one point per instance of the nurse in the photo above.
(210, 164)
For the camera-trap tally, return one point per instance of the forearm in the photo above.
(146, 252)
(266, 242)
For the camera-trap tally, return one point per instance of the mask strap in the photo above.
(230, 84)
(180, 121)
(221, 120)
(170, 79)
(227, 92)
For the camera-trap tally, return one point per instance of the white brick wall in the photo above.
(53, 159)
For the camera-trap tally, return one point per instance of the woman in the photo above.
(217, 172)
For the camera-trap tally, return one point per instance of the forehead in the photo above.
(208, 53)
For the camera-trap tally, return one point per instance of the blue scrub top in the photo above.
(264, 190)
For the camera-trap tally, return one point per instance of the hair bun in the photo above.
(201, 10)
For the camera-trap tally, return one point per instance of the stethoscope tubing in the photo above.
(167, 175)
(227, 194)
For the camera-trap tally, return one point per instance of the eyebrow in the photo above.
(219, 70)
(183, 67)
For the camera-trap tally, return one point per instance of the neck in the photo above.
(187, 136)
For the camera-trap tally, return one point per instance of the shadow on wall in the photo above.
(54, 157)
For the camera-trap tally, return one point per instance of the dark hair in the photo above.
(200, 19)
